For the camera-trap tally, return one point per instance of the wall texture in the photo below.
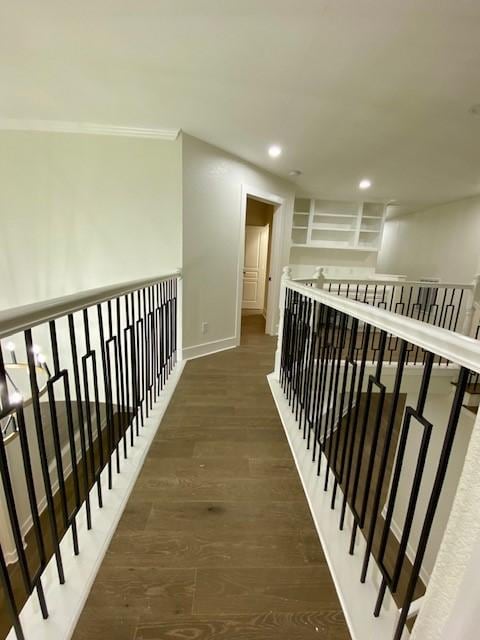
(212, 187)
(80, 211)
(442, 241)
(353, 264)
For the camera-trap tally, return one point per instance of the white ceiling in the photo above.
(350, 88)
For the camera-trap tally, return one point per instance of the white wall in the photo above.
(443, 241)
(76, 212)
(212, 183)
(79, 211)
(336, 262)
(451, 609)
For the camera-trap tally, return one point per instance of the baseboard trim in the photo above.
(65, 602)
(206, 349)
(357, 600)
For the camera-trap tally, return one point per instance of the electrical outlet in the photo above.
(204, 327)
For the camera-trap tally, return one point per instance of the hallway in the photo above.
(217, 539)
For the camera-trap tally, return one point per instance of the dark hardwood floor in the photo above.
(217, 540)
(31, 549)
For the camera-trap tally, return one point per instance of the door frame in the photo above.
(278, 222)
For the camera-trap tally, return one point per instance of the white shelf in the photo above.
(332, 244)
(330, 224)
(316, 247)
(335, 215)
(321, 227)
(335, 207)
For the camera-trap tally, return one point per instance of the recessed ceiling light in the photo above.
(295, 173)
(274, 151)
(365, 184)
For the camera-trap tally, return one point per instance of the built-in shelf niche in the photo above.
(332, 224)
(299, 236)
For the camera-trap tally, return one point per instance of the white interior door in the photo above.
(255, 265)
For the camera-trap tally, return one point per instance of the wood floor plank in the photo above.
(261, 448)
(271, 467)
(253, 590)
(142, 592)
(111, 625)
(233, 433)
(324, 625)
(174, 488)
(198, 468)
(214, 516)
(225, 549)
(217, 541)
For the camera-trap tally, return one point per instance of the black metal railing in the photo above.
(358, 422)
(76, 407)
(440, 304)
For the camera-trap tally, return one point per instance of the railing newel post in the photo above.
(319, 278)
(473, 299)
(286, 275)
(179, 318)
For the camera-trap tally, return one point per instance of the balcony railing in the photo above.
(371, 395)
(443, 304)
(78, 378)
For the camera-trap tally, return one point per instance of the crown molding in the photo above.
(60, 126)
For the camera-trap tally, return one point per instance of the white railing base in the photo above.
(357, 600)
(66, 602)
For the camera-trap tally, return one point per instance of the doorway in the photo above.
(269, 315)
(256, 276)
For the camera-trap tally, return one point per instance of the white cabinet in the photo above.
(331, 224)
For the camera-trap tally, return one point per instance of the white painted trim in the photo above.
(357, 600)
(11, 557)
(65, 602)
(278, 232)
(390, 282)
(286, 273)
(207, 348)
(397, 531)
(241, 263)
(179, 316)
(275, 254)
(60, 126)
